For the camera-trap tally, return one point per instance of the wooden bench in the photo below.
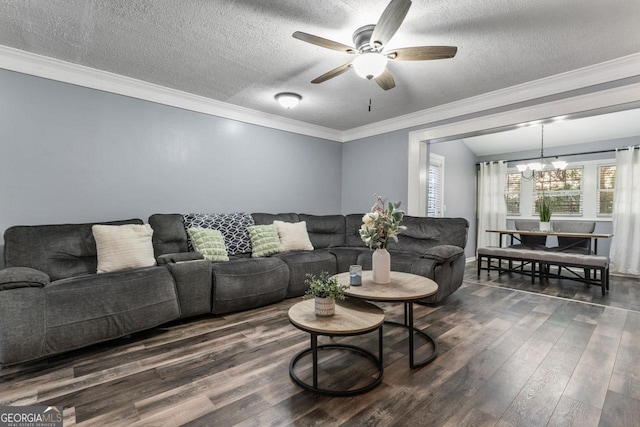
(540, 261)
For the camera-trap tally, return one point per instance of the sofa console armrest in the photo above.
(22, 277)
(443, 253)
(179, 257)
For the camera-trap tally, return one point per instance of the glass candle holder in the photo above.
(355, 275)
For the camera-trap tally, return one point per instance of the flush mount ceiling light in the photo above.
(288, 99)
(369, 65)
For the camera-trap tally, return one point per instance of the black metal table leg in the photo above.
(408, 315)
(314, 350)
(357, 350)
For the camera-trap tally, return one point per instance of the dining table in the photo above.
(593, 237)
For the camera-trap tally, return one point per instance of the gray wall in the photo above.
(460, 182)
(379, 164)
(72, 154)
(374, 165)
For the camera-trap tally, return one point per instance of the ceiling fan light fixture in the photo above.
(288, 99)
(369, 65)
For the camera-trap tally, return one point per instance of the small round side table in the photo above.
(351, 318)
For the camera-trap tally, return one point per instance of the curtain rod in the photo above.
(612, 150)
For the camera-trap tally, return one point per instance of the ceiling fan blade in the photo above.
(385, 80)
(421, 53)
(331, 74)
(390, 21)
(322, 42)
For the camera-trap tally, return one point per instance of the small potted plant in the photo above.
(545, 215)
(326, 291)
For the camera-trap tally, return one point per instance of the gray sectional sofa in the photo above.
(52, 300)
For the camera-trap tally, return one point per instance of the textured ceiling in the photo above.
(241, 52)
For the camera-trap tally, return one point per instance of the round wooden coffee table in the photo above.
(404, 287)
(351, 318)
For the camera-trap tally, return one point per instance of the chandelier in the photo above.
(540, 166)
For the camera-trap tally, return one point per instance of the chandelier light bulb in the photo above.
(369, 65)
(559, 164)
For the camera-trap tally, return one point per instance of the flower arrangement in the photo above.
(325, 286)
(381, 224)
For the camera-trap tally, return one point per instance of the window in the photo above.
(562, 188)
(606, 182)
(512, 194)
(435, 202)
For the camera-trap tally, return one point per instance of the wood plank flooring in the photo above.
(507, 358)
(626, 293)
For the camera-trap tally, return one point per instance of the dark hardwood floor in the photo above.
(625, 291)
(529, 356)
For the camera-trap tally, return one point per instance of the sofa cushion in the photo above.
(400, 261)
(246, 283)
(353, 222)
(302, 263)
(293, 236)
(346, 256)
(443, 253)
(424, 233)
(325, 231)
(266, 218)
(179, 257)
(264, 240)
(209, 243)
(63, 250)
(193, 286)
(169, 234)
(22, 277)
(89, 309)
(121, 247)
(233, 227)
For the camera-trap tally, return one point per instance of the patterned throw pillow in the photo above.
(293, 235)
(233, 227)
(209, 243)
(264, 240)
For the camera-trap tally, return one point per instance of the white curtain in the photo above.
(625, 250)
(492, 208)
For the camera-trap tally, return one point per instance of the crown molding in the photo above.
(605, 72)
(55, 69)
(67, 72)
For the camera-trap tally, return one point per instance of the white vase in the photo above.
(381, 266)
(325, 307)
(545, 226)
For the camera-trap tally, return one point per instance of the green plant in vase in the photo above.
(326, 289)
(545, 214)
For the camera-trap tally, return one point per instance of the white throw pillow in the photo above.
(123, 246)
(293, 235)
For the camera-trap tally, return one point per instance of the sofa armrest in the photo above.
(179, 257)
(22, 277)
(443, 253)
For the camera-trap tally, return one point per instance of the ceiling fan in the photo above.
(371, 58)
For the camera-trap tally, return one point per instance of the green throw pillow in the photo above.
(209, 243)
(264, 240)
